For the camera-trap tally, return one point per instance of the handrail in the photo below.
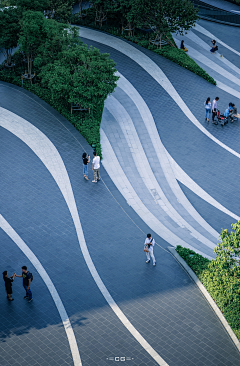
(210, 12)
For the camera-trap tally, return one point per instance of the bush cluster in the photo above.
(221, 281)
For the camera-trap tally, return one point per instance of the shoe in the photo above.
(154, 264)
(94, 181)
(98, 179)
(30, 300)
(148, 261)
(205, 119)
(10, 299)
(86, 177)
(26, 297)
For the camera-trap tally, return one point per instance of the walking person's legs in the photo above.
(28, 292)
(206, 112)
(148, 257)
(98, 175)
(152, 255)
(85, 171)
(95, 175)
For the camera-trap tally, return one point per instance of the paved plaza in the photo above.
(164, 170)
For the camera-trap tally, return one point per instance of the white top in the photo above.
(96, 162)
(147, 241)
(207, 106)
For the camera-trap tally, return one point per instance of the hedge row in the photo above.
(87, 124)
(224, 289)
(171, 53)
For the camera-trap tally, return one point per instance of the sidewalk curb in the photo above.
(207, 296)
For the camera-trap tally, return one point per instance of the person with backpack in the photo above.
(27, 279)
(148, 249)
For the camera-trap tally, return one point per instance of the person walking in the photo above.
(86, 161)
(214, 108)
(148, 248)
(8, 284)
(27, 279)
(96, 167)
(207, 105)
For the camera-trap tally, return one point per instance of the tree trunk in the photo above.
(80, 6)
(160, 40)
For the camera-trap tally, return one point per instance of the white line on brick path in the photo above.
(163, 159)
(56, 298)
(152, 69)
(141, 162)
(202, 30)
(182, 177)
(122, 183)
(49, 155)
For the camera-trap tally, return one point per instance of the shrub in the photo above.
(222, 283)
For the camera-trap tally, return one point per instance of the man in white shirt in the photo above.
(96, 167)
(214, 108)
(149, 243)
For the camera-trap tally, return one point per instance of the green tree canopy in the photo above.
(164, 16)
(9, 31)
(35, 5)
(31, 34)
(81, 75)
(61, 10)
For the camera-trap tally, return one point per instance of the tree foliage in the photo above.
(81, 75)
(9, 32)
(34, 5)
(163, 16)
(31, 35)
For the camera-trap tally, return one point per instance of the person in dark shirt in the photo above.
(26, 283)
(86, 161)
(8, 284)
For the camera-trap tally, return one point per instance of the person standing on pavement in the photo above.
(8, 284)
(149, 244)
(207, 105)
(86, 161)
(27, 279)
(214, 108)
(96, 167)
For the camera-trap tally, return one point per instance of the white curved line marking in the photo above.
(152, 69)
(228, 89)
(202, 30)
(198, 41)
(194, 187)
(51, 158)
(157, 144)
(122, 183)
(143, 167)
(56, 298)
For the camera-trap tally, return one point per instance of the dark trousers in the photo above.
(214, 112)
(28, 292)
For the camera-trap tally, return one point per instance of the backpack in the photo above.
(30, 276)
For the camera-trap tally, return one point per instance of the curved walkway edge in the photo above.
(207, 296)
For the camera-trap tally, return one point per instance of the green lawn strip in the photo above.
(176, 55)
(87, 124)
(222, 285)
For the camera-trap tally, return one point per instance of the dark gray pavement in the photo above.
(162, 303)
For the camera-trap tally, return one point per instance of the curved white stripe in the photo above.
(194, 187)
(144, 169)
(152, 69)
(51, 158)
(157, 144)
(228, 89)
(56, 298)
(196, 55)
(202, 30)
(122, 183)
(199, 42)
